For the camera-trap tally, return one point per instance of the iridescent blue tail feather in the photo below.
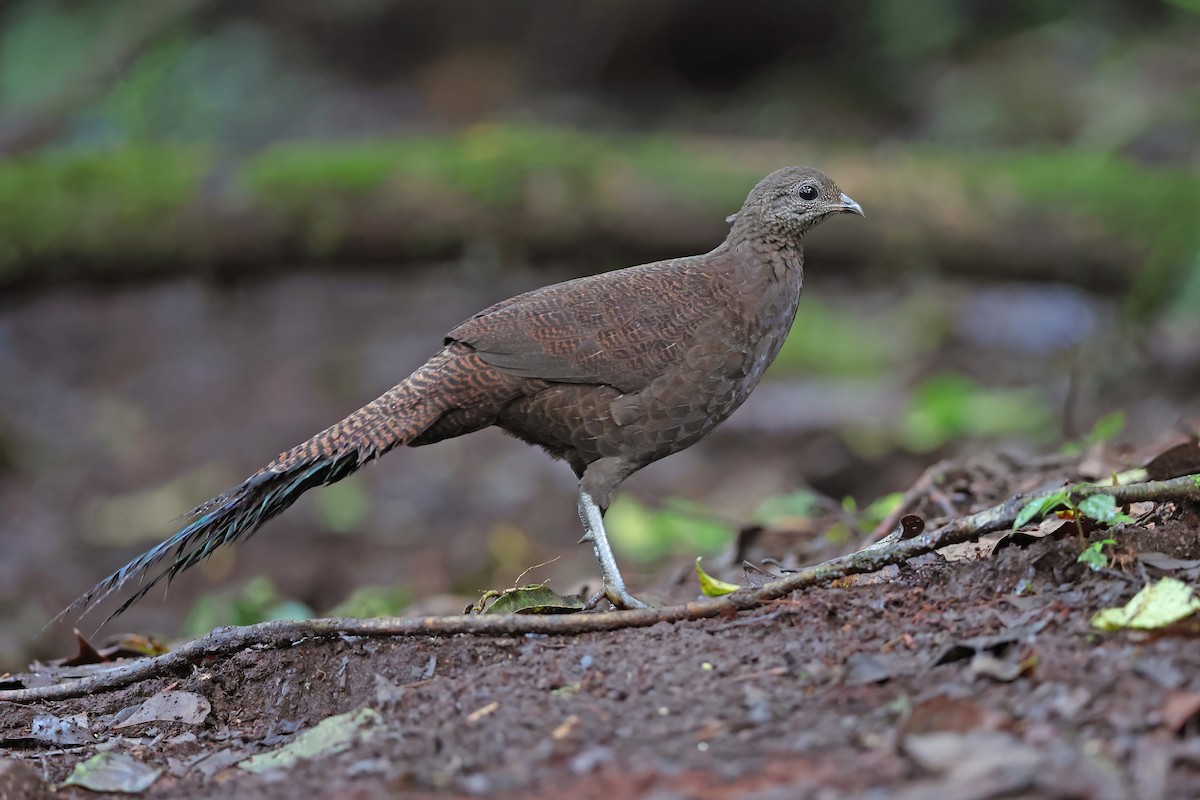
(235, 515)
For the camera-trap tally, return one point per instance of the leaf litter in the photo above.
(166, 706)
(981, 678)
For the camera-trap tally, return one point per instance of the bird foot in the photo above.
(619, 596)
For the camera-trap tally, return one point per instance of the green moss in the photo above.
(61, 210)
(491, 166)
(488, 163)
(97, 205)
(316, 187)
(493, 163)
(294, 172)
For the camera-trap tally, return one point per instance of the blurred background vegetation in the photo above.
(225, 225)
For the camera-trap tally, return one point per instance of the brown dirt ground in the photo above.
(971, 678)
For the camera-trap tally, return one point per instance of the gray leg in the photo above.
(613, 586)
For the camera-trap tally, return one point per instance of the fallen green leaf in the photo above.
(710, 585)
(113, 772)
(1156, 606)
(329, 736)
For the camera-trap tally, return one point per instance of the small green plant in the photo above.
(1101, 508)
(1094, 556)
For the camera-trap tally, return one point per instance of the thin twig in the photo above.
(286, 633)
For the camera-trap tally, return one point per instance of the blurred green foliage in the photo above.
(257, 601)
(646, 534)
(784, 509)
(293, 173)
(1085, 108)
(950, 406)
(1188, 5)
(373, 601)
(680, 526)
(1105, 430)
(42, 48)
(875, 511)
(343, 506)
(95, 205)
(831, 341)
(1159, 207)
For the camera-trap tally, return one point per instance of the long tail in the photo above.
(396, 418)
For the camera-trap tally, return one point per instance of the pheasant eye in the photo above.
(807, 191)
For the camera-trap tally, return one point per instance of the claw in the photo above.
(618, 596)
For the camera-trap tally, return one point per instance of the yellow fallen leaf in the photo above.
(1155, 606)
(710, 585)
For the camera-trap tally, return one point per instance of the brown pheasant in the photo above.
(609, 373)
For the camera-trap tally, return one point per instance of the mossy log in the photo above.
(535, 194)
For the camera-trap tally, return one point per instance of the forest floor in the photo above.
(973, 672)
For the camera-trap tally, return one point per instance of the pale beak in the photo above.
(849, 206)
